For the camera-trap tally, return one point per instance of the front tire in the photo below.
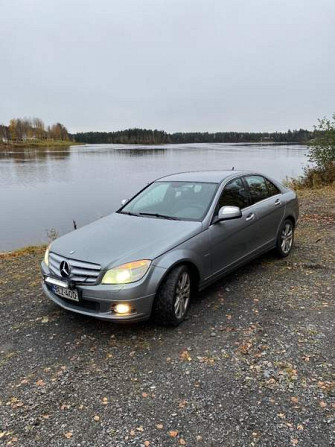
(173, 297)
(285, 238)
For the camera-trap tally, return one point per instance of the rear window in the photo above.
(257, 187)
(260, 188)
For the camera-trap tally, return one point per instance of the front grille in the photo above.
(81, 271)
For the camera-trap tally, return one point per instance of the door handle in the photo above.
(250, 217)
(277, 202)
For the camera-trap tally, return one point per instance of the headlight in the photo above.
(46, 255)
(126, 273)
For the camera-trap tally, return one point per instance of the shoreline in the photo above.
(49, 143)
(39, 144)
(22, 251)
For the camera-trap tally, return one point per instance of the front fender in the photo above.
(194, 251)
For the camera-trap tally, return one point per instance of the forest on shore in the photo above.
(21, 130)
(147, 136)
(25, 131)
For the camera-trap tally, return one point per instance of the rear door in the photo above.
(232, 240)
(268, 204)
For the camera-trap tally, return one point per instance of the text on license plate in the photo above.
(70, 294)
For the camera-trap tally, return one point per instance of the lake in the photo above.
(46, 188)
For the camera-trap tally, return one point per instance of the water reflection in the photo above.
(35, 154)
(142, 152)
(47, 188)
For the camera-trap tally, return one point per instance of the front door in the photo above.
(232, 240)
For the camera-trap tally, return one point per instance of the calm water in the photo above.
(42, 189)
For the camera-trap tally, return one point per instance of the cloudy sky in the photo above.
(178, 65)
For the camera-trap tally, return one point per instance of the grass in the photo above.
(38, 143)
(31, 249)
(314, 178)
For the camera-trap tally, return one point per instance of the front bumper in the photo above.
(98, 300)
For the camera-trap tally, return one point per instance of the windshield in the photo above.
(173, 200)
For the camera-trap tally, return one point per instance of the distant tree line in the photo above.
(23, 129)
(146, 136)
(129, 136)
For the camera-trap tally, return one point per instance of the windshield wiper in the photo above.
(162, 216)
(129, 213)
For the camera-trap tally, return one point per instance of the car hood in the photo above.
(120, 238)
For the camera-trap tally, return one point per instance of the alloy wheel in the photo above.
(183, 294)
(286, 239)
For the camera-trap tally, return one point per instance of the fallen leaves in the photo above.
(185, 356)
(96, 418)
(40, 383)
(207, 360)
(68, 435)
(173, 433)
(159, 426)
(245, 348)
(15, 403)
(65, 407)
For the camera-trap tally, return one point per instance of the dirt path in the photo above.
(252, 365)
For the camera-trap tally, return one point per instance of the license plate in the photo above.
(70, 294)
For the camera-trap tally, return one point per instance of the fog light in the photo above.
(122, 308)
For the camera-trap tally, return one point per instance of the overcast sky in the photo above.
(178, 65)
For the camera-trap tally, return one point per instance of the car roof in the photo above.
(201, 176)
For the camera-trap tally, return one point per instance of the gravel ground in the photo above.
(252, 365)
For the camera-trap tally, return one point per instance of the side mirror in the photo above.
(228, 213)
(124, 201)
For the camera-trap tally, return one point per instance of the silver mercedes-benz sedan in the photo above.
(175, 237)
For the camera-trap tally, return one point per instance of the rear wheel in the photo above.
(285, 238)
(173, 297)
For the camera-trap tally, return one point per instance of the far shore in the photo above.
(41, 144)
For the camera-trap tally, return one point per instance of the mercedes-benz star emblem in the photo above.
(65, 269)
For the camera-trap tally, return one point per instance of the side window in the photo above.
(234, 194)
(258, 188)
(273, 190)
